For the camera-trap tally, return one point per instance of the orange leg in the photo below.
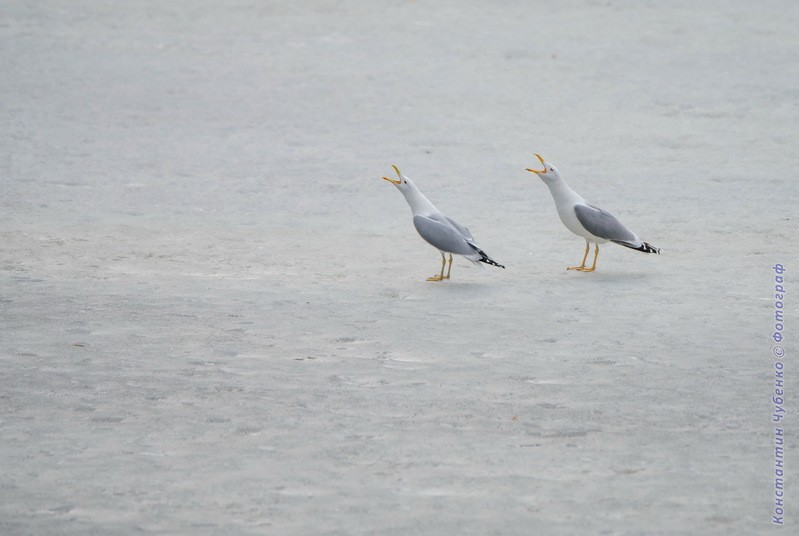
(593, 266)
(440, 277)
(581, 268)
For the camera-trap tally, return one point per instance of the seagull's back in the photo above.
(439, 232)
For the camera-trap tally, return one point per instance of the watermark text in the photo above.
(778, 398)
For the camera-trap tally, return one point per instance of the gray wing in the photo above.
(461, 229)
(605, 225)
(442, 236)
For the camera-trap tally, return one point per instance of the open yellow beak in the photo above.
(392, 181)
(537, 172)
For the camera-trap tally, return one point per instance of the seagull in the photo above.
(583, 219)
(441, 232)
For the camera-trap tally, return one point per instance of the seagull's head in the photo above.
(402, 183)
(548, 174)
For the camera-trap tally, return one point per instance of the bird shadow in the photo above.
(608, 276)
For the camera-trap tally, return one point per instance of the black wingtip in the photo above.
(644, 247)
(485, 258)
(491, 262)
(649, 248)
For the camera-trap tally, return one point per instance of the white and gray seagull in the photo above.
(583, 219)
(441, 232)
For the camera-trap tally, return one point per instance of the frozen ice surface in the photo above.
(214, 317)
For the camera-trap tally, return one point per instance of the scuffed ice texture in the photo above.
(213, 313)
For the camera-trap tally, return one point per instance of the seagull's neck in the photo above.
(562, 193)
(420, 205)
